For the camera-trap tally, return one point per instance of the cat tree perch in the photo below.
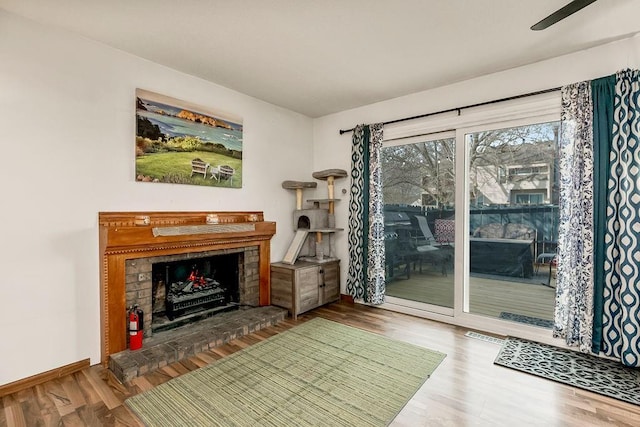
(298, 186)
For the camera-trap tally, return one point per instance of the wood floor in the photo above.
(465, 390)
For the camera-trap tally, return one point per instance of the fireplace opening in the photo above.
(188, 290)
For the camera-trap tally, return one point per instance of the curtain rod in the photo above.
(459, 109)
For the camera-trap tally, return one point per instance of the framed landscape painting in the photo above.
(181, 143)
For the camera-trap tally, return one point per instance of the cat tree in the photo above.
(314, 226)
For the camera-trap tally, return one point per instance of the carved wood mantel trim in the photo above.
(130, 235)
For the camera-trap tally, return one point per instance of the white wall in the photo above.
(332, 150)
(67, 123)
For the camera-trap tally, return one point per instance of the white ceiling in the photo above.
(323, 56)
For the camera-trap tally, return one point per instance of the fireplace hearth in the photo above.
(189, 340)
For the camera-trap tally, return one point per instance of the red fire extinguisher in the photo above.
(136, 328)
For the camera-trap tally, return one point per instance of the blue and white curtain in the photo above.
(366, 276)
(598, 292)
(621, 311)
(574, 284)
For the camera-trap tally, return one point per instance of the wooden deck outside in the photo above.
(488, 296)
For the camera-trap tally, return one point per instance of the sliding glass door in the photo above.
(503, 265)
(419, 191)
(513, 218)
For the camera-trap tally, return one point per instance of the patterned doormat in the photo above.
(320, 373)
(602, 376)
(528, 320)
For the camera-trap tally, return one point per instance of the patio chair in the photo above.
(429, 250)
(546, 259)
(426, 238)
(397, 258)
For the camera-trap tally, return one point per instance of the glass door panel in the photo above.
(513, 222)
(418, 191)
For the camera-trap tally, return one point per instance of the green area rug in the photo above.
(320, 373)
(602, 376)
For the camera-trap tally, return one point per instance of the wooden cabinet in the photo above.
(304, 285)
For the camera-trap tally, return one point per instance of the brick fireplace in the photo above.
(237, 283)
(132, 242)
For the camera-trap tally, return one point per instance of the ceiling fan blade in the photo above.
(562, 13)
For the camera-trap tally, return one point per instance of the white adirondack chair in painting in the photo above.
(222, 172)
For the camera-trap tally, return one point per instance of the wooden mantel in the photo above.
(134, 235)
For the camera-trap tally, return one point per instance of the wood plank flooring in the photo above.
(466, 389)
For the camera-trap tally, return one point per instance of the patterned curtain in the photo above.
(621, 311)
(602, 93)
(574, 286)
(366, 277)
